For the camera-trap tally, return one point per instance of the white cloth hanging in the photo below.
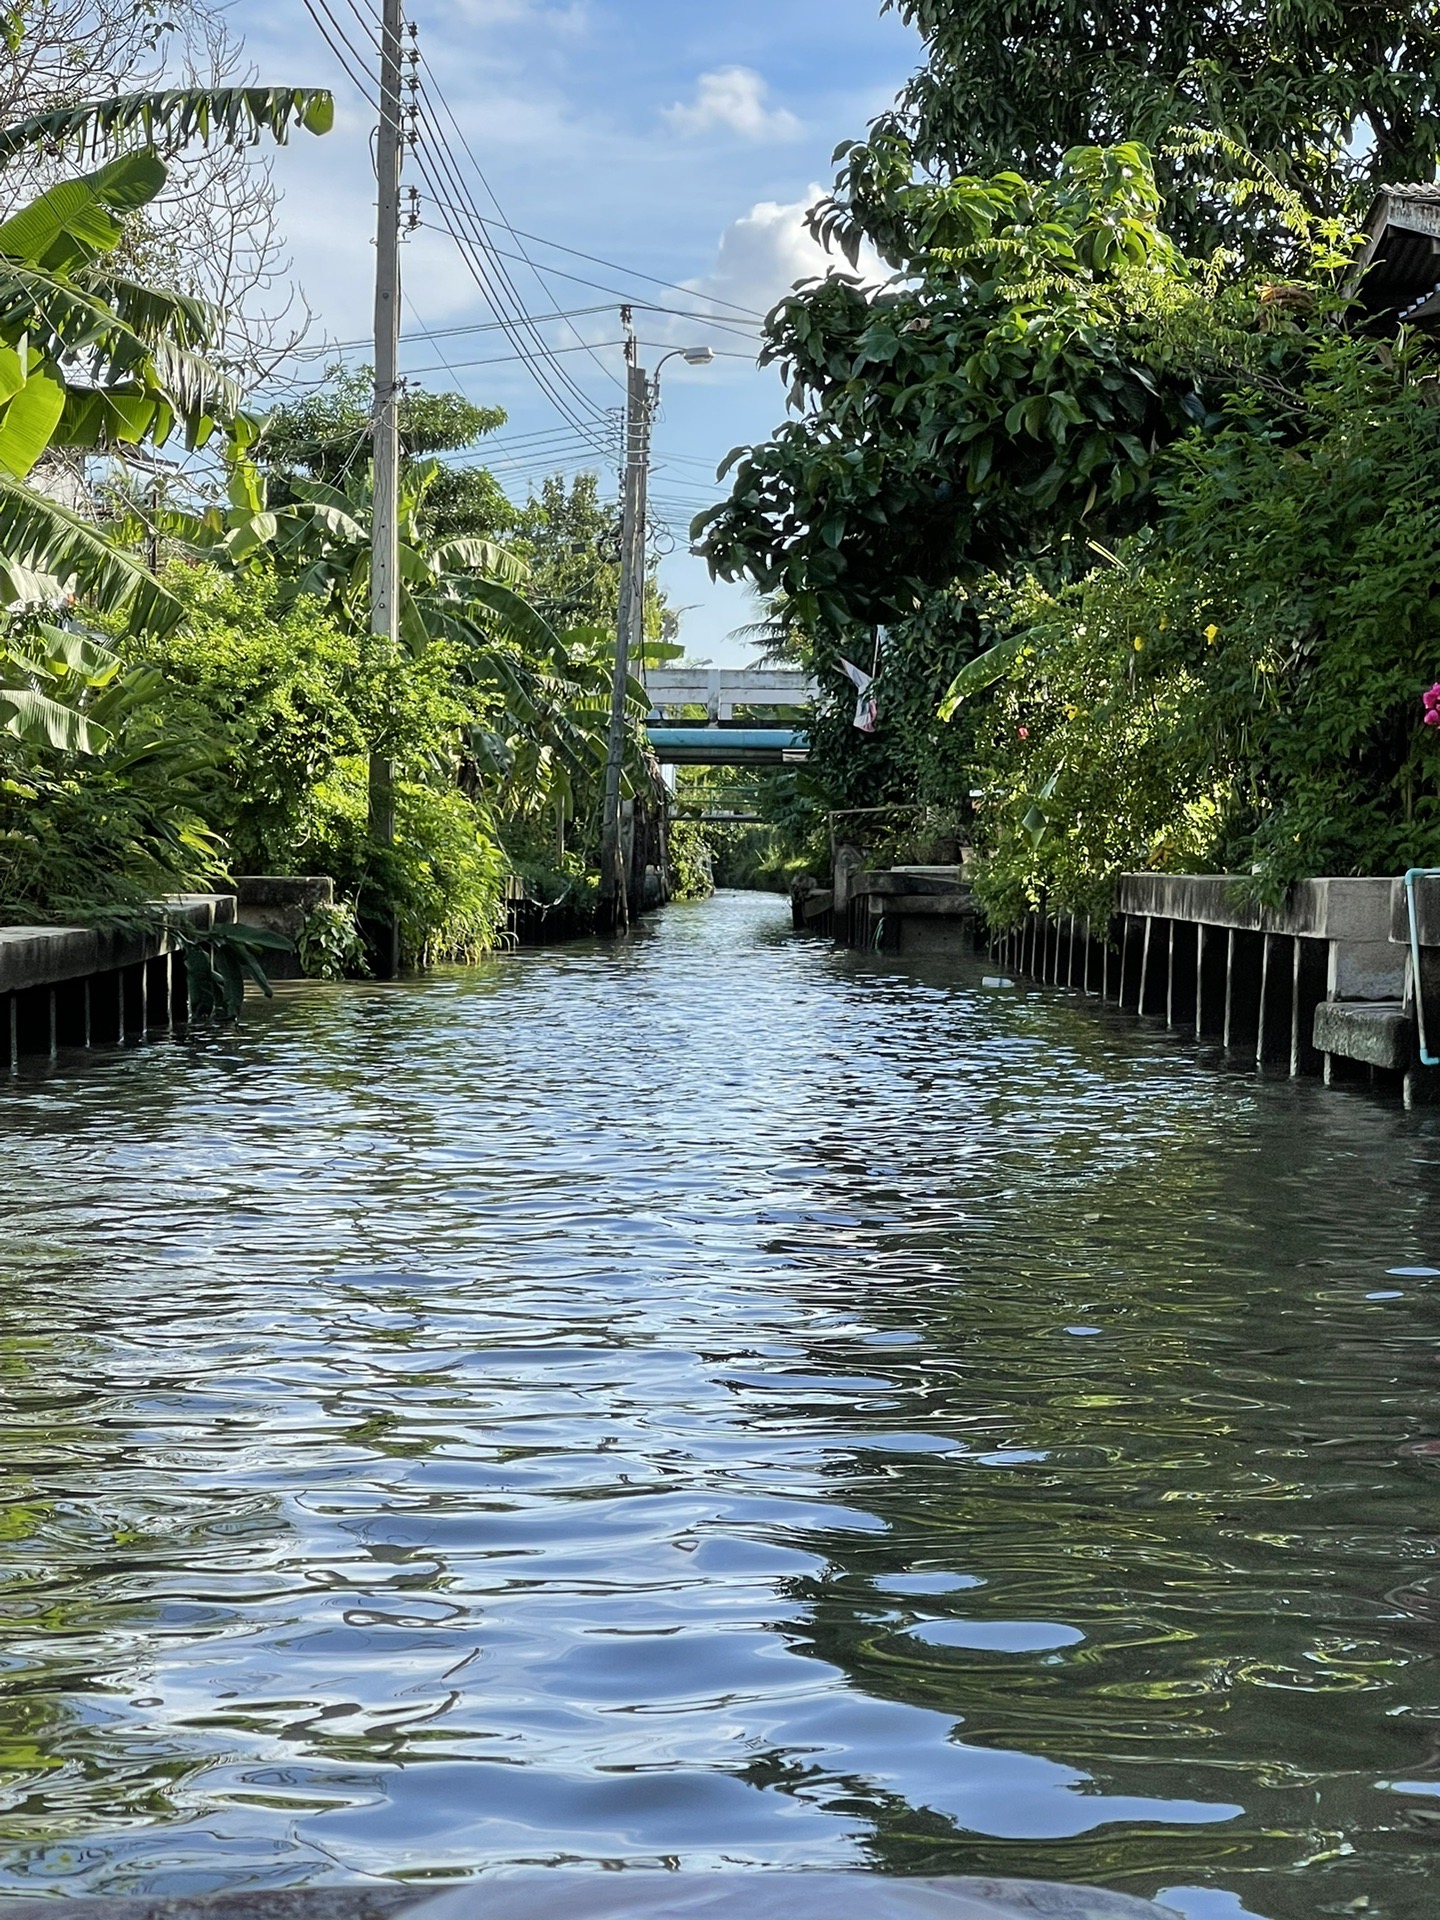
(867, 711)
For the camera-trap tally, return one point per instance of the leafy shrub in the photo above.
(691, 866)
(331, 945)
(1241, 689)
(101, 797)
(291, 700)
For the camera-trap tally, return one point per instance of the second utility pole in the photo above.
(385, 501)
(613, 900)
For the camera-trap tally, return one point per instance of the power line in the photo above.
(485, 225)
(339, 43)
(360, 81)
(449, 333)
(536, 362)
(725, 325)
(634, 273)
(508, 359)
(478, 239)
(539, 239)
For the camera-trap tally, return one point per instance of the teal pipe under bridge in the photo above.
(721, 746)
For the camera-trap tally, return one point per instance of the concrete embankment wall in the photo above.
(1324, 985)
(76, 987)
(1316, 987)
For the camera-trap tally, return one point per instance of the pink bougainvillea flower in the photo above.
(1024, 733)
(1431, 699)
(1432, 718)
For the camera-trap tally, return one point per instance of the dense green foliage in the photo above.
(100, 800)
(987, 405)
(100, 797)
(691, 860)
(785, 834)
(1301, 83)
(239, 723)
(1162, 529)
(1240, 688)
(289, 696)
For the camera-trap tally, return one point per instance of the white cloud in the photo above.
(764, 253)
(734, 100)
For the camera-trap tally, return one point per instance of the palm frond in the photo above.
(173, 117)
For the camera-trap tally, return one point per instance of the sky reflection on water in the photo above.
(721, 1402)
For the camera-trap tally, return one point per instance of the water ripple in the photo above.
(716, 1401)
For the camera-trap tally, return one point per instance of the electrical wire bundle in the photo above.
(443, 162)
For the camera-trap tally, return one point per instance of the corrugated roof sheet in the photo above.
(1398, 272)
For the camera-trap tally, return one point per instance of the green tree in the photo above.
(1238, 689)
(981, 409)
(325, 436)
(1336, 97)
(571, 540)
(1001, 405)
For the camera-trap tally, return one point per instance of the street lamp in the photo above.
(692, 356)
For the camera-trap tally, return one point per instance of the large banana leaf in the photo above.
(69, 668)
(75, 222)
(29, 418)
(22, 586)
(336, 523)
(156, 313)
(57, 651)
(479, 556)
(40, 536)
(979, 674)
(41, 721)
(515, 615)
(173, 117)
(153, 352)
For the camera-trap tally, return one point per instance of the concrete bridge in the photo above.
(722, 740)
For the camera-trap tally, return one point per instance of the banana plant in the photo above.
(49, 683)
(74, 718)
(551, 689)
(92, 359)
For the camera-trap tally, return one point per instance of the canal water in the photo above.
(721, 1402)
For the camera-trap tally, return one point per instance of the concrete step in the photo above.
(1377, 1033)
(908, 881)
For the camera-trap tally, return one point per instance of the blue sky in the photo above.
(675, 138)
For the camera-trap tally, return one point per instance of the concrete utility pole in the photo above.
(613, 900)
(385, 506)
(642, 393)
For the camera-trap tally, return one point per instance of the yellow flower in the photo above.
(1139, 644)
(1212, 634)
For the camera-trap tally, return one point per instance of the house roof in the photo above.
(1398, 272)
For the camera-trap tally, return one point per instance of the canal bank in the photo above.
(64, 988)
(1341, 981)
(941, 1430)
